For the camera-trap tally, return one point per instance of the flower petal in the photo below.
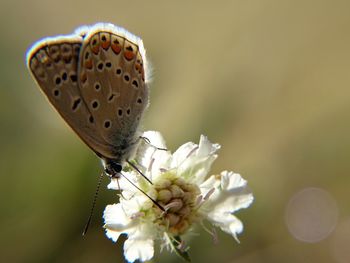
(139, 244)
(231, 194)
(116, 221)
(193, 161)
(227, 223)
(135, 203)
(221, 195)
(231, 181)
(206, 147)
(151, 158)
(182, 153)
(138, 249)
(122, 184)
(114, 235)
(115, 215)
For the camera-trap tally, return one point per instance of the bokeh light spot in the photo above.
(311, 215)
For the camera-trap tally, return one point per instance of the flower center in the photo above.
(179, 199)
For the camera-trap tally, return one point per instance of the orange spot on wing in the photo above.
(105, 45)
(96, 48)
(83, 77)
(116, 48)
(88, 64)
(129, 55)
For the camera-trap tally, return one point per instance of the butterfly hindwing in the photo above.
(112, 82)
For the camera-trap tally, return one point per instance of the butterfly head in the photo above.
(112, 168)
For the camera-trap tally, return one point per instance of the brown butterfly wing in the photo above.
(112, 82)
(54, 64)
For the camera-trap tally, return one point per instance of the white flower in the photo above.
(182, 187)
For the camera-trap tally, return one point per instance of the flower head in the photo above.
(182, 187)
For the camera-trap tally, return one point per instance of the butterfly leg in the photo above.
(120, 190)
(146, 140)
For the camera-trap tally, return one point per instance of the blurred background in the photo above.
(268, 80)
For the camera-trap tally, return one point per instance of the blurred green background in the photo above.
(268, 80)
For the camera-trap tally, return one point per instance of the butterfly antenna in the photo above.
(120, 190)
(138, 170)
(138, 188)
(93, 205)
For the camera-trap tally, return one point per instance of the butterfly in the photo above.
(97, 80)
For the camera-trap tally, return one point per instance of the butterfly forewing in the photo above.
(112, 83)
(54, 65)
